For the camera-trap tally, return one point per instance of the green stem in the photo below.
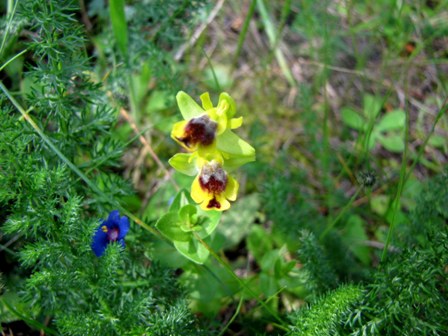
(243, 33)
(341, 213)
(10, 13)
(439, 115)
(270, 32)
(12, 59)
(237, 311)
(215, 78)
(405, 175)
(32, 323)
(396, 202)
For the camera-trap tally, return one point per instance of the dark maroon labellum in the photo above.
(213, 203)
(213, 179)
(200, 130)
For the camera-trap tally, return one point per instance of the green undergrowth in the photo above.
(338, 228)
(406, 295)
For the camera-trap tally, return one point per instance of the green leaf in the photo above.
(372, 139)
(394, 120)
(189, 219)
(354, 236)
(187, 106)
(169, 226)
(258, 242)
(437, 141)
(236, 224)
(352, 119)
(393, 142)
(372, 106)
(268, 284)
(269, 259)
(211, 222)
(380, 204)
(184, 164)
(187, 211)
(182, 198)
(192, 250)
(119, 26)
(236, 151)
(167, 254)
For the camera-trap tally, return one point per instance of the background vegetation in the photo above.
(340, 226)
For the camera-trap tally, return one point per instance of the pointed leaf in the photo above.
(354, 236)
(352, 119)
(213, 218)
(182, 198)
(119, 26)
(394, 120)
(193, 250)
(372, 106)
(393, 142)
(438, 140)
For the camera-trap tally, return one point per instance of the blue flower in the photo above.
(114, 229)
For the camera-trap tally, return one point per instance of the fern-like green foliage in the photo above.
(292, 211)
(320, 274)
(323, 317)
(155, 29)
(408, 295)
(52, 214)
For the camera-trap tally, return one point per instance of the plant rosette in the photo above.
(186, 225)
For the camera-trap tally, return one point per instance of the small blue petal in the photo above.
(114, 218)
(101, 239)
(123, 227)
(100, 242)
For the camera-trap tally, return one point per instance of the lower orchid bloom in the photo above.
(213, 187)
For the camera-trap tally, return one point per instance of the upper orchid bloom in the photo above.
(207, 132)
(202, 125)
(114, 229)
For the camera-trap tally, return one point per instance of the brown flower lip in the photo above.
(213, 178)
(200, 130)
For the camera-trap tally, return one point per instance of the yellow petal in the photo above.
(178, 130)
(232, 186)
(230, 106)
(236, 122)
(222, 124)
(217, 202)
(197, 193)
(206, 101)
(178, 133)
